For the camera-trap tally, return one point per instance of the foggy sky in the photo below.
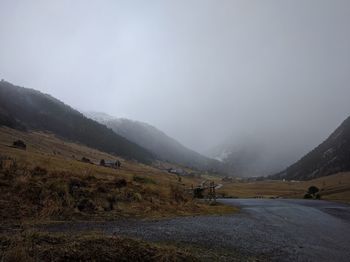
(202, 71)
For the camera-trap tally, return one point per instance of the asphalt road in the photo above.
(279, 230)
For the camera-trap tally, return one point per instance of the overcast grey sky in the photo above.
(202, 71)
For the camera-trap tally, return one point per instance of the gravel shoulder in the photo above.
(275, 230)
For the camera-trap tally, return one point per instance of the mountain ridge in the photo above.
(24, 108)
(329, 157)
(157, 142)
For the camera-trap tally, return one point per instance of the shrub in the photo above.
(102, 189)
(198, 192)
(86, 205)
(39, 171)
(143, 180)
(119, 183)
(318, 196)
(111, 199)
(313, 190)
(85, 160)
(75, 184)
(19, 144)
(60, 188)
(307, 196)
(137, 197)
(177, 193)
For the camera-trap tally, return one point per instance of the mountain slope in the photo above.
(330, 157)
(156, 141)
(249, 156)
(24, 108)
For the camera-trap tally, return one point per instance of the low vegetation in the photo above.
(334, 187)
(45, 184)
(312, 193)
(48, 182)
(30, 246)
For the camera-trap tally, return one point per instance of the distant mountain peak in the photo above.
(156, 141)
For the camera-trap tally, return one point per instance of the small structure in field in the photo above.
(110, 163)
(19, 144)
(178, 171)
(227, 179)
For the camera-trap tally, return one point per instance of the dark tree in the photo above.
(313, 190)
(102, 162)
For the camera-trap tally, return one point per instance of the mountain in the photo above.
(249, 157)
(157, 142)
(330, 157)
(24, 108)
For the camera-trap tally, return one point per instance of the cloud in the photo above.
(202, 71)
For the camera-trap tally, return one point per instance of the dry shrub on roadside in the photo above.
(178, 193)
(39, 171)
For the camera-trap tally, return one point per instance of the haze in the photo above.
(204, 72)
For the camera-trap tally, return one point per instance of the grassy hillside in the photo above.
(157, 142)
(48, 181)
(24, 108)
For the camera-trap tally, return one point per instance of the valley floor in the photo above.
(334, 187)
(56, 207)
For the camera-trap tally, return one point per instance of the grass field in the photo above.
(48, 181)
(335, 187)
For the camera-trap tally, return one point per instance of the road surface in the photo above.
(276, 229)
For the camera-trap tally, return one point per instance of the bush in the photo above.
(318, 196)
(19, 144)
(111, 199)
(137, 197)
(119, 183)
(76, 183)
(86, 160)
(313, 190)
(39, 171)
(198, 192)
(307, 196)
(144, 180)
(177, 193)
(86, 205)
(60, 188)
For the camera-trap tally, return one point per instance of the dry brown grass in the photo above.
(49, 182)
(334, 187)
(92, 246)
